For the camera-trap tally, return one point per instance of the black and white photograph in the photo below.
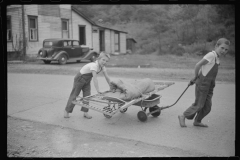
(120, 80)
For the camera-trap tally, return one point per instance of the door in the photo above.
(77, 50)
(101, 40)
(82, 35)
(67, 46)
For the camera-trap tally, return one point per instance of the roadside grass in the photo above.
(156, 67)
(165, 61)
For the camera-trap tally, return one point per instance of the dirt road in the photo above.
(34, 139)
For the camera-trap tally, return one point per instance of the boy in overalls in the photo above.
(205, 74)
(82, 81)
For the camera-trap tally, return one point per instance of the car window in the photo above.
(65, 43)
(75, 43)
(69, 43)
(48, 44)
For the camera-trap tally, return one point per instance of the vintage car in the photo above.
(63, 50)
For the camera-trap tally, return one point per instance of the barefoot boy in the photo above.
(82, 82)
(205, 74)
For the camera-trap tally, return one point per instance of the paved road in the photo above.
(42, 98)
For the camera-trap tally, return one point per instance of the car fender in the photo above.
(40, 50)
(90, 53)
(57, 56)
(43, 52)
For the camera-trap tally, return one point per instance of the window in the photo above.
(66, 43)
(65, 30)
(9, 29)
(33, 28)
(47, 44)
(75, 43)
(116, 41)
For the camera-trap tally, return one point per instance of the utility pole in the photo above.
(23, 29)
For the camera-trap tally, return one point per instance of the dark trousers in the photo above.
(203, 101)
(80, 83)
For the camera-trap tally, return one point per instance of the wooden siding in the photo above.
(123, 44)
(15, 12)
(31, 10)
(77, 20)
(107, 41)
(95, 41)
(49, 26)
(65, 6)
(112, 42)
(32, 47)
(66, 13)
(49, 10)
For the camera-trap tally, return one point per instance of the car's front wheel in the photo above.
(93, 57)
(46, 61)
(62, 59)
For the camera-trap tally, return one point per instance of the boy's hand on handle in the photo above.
(99, 92)
(192, 81)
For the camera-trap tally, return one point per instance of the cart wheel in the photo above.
(107, 108)
(156, 114)
(124, 110)
(107, 116)
(142, 116)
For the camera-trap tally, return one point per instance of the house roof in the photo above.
(82, 15)
(132, 40)
(90, 21)
(111, 29)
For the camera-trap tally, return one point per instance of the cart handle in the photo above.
(161, 108)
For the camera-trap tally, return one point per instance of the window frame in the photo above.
(65, 20)
(118, 42)
(11, 38)
(36, 29)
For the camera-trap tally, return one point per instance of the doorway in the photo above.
(101, 40)
(82, 35)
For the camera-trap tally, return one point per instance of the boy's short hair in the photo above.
(222, 41)
(103, 54)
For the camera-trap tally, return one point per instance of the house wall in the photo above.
(107, 34)
(15, 11)
(33, 47)
(49, 23)
(78, 20)
(49, 26)
(112, 42)
(123, 44)
(95, 39)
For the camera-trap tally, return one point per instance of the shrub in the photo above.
(177, 50)
(200, 48)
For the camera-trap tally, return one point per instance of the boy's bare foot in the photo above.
(66, 114)
(199, 124)
(87, 116)
(182, 121)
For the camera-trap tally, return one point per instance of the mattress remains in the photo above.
(128, 91)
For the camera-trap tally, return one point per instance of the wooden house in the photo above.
(39, 22)
(131, 45)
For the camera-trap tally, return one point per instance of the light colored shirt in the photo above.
(93, 66)
(210, 57)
